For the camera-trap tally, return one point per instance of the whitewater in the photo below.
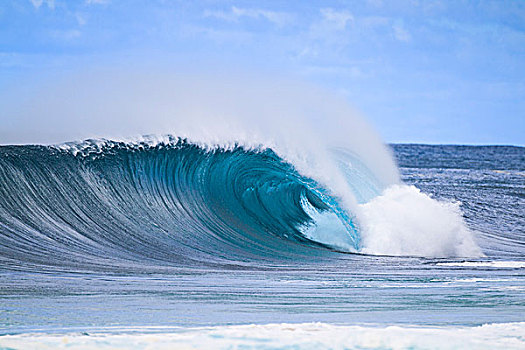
(180, 212)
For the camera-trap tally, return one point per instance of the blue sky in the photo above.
(421, 71)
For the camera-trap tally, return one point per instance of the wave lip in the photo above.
(498, 264)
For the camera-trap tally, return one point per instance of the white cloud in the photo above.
(395, 28)
(97, 2)
(400, 33)
(278, 18)
(37, 3)
(217, 35)
(66, 35)
(375, 3)
(371, 22)
(332, 28)
(338, 19)
(349, 71)
(81, 20)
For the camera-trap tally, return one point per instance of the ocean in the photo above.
(112, 244)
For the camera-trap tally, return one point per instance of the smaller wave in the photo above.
(492, 264)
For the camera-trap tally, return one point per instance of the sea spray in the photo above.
(405, 221)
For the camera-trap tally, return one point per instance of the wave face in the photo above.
(114, 203)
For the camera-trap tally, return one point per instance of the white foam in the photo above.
(495, 264)
(286, 336)
(405, 221)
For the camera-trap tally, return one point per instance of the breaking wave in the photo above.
(104, 204)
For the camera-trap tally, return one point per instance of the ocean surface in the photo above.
(112, 244)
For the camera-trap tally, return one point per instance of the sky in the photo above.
(420, 71)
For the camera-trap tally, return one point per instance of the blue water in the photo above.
(114, 237)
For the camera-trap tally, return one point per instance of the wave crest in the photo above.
(168, 201)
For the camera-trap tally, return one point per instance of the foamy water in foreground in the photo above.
(286, 336)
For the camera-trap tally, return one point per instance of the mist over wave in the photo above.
(249, 168)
